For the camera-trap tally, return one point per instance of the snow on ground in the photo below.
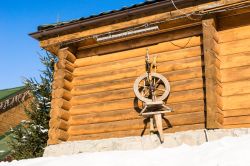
(225, 152)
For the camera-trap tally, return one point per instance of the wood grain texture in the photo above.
(118, 94)
(173, 120)
(209, 45)
(235, 47)
(140, 132)
(236, 112)
(234, 102)
(158, 48)
(237, 120)
(234, 34)
(246, 125)
(233, 60)
(167, 69)
(138, 61)
(191, 77)
(127, 114)
(175, 97)
(234, 88)
(233, 74)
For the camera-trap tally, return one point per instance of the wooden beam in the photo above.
(209, 33)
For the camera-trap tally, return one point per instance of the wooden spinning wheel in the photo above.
(151, 87)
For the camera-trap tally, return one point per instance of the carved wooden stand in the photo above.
(155, 116)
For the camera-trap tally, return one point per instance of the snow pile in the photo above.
(225, 152)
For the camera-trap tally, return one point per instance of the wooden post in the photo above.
(211, 52)
(61, 96)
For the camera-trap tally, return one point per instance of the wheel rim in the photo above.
(145, 92)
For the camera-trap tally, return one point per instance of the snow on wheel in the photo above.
(151, 88)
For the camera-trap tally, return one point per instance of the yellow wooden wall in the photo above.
(233, 73)
(103, 101)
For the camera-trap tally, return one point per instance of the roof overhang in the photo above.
(53, 38)
(75, 26)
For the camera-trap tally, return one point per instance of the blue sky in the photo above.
(19, 52)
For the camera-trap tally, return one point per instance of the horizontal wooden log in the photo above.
(136, 71)
(61, 93)
(60, 83)
(128, 114)
(233, 74)
(174, 97)
(247, 125)
(63, 74)
(58, 124)
(173, 120)
(59, 113)
(235, 47)
(233, 60)
(234, 34)
(236, 112)
(70, 56)
(161, 47)
(66, 54)
(65, 64)
(118, 134)
(237, 120)
(234, 102)
(58, 135)
(60, 103)
(138, 61)
(129, 92)
(233, 88)
(129, 82)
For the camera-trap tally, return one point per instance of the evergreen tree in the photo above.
(30, 137)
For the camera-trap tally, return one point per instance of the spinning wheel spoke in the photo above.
(158, 81)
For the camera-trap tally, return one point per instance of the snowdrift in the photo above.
(229, 151)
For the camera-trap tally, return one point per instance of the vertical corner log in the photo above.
(61, 96)
(211, 52)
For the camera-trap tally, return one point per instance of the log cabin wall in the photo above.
(103, 102)
(233, 71)
(61, 96)
(206, 61)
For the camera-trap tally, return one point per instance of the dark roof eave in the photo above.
(97, 19)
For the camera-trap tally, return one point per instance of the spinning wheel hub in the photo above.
(151, 90)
